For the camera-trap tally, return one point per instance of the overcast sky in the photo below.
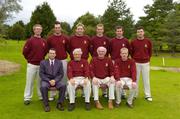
(70, 10)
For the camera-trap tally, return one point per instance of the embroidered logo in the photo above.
(63, 41)
(129, 66)
(104, 43)
(82, 65)
(43, 44)
(85, 42)
(123, 44)
(106, 65)
(145, 45)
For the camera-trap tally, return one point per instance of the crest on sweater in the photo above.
(82, 65)
(129, 66)
(104, 43)
(145, 46)
(43, 44)
(106, 65)
(123, 44)
(63, 41)
(85, 42)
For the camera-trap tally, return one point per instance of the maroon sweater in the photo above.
(141, 50)
(82, 42)
(35, 50)
(116, 45)
(101, 68)
(77, 68)
(125, 69)
(97, 42)
(61, 44)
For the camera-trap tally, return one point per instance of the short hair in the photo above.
(119, 27)
(99, 25)
(52, 49)
(140, 27)
(77, 51)
(80, 24)
(102, 48)
(37, 25)
(124, 49)
(57, 22)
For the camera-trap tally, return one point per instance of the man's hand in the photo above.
(86, 81)
(52, 82)
(118, 84)
(95, 81)
(72, 81)
(134, 85)
(112, 79)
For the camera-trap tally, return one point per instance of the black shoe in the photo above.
(60, 107)
(105, 95)
(123, 97)
(129, 105)
(117, 105)
(71, 106)
(47, 109)
(87, 106)
(27, 102)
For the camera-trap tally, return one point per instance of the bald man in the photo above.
(101, 70)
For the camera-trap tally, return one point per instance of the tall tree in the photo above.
(155, 17)
(170, 30)
(43, 15)
(7, 8)
(117, 13)
(90, 22)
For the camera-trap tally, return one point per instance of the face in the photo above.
(101, 53)
(52, 54)
(119, 32)
(124, 54)
(140, 33)
(57, 28)
(100, 30)
(37, 30)
(80, 30)
(77, 56)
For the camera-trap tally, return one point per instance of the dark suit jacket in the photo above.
(46, 73)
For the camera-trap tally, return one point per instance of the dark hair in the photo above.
(119, 27)
(52, 49)
(57, 22)
(140, 27)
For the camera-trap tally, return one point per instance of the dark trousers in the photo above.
(44, 90)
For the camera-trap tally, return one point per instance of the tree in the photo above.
(155, 17)
(17, 31)
(117, 13)
(90, 22)
(7, 8)
(43, 15)
(66, 28)
(171, 29)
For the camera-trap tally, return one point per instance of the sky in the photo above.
(70, 10)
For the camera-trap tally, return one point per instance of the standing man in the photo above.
(51, 73)
(125, 74)
(60, 43)
(115, 46)
(79, 40)
(34, 51)
(117, 43)
(78, 74)
(141, 53)
(101, 70)
(99, 40)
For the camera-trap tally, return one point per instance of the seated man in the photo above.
(51, 74)
(101, 69)
(78, 73)
(125, 74)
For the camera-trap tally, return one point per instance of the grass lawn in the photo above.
(165, 90)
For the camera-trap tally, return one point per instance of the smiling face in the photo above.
(140, 33)
(57, 29)
(80, 30)
(37, 29)
(124, 54)
(119, 32)
(99, 30)
(52, 54)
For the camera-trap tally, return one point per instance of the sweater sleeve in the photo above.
(91, 67)
(27, 48)
(69, 71)
(133, 71)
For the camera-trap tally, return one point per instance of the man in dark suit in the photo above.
(51, 74)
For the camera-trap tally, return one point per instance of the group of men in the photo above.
(110, 67)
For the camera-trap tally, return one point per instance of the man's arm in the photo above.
(42, 72)
(60, 73)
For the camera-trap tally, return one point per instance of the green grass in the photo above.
(165, 90)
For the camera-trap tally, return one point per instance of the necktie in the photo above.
(52, 67)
